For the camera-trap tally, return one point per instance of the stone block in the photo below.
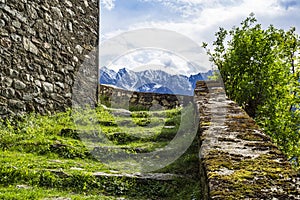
(29, 46)
(19, 85)
(16, 104)
(48, 87)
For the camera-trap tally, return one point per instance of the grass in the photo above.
(43, 157)
(19, 192)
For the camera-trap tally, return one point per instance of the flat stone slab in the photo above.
(149, 176)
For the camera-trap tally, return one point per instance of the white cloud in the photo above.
(202, 26)
(202, 18)
(141, 60)
(190, 8)
(108, 4)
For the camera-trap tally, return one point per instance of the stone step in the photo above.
(148, 185)
(139, 176)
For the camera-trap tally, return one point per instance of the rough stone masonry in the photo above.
(237, 159)
(43, 44)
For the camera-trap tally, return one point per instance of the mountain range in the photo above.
(157, 81)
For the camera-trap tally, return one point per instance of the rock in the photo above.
(32, 12)
(76, 168)
(23, 187)
(57, 97)
(165, 103)
(70, 12)
(3, 109)
(2, 23)
(9, 93)
(16, 24)
(16, 38)
(48, 87)
(38, 83)
(5, 42)
(69, 68)
(28, 77)
(8, 81)
(13, 73)
(21, 17)
(31, 31)
(9, 10)
(86, 3)
(75, 59)
(47, 45)
(60, 84)
(56, 11)
(169, 127)
(6, 18)
(68, 3)
(48, 18)
(58, 25)
(81, 10)
(149, 176)
(40, 101)
(19, 85)
(29, 46)
(16, 104)
(4, 32)
(27, 97)
(79, 49)
(35, 40)
(68, 95)
(42, 77)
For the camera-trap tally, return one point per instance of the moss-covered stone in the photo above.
(238, 160)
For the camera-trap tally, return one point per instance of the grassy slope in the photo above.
(49, 156)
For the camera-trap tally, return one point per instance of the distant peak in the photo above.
(123, 70)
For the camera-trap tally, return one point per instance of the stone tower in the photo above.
(44, 46)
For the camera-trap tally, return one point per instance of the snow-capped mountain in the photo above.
(157, 81)
(107, 76)
(153, 87)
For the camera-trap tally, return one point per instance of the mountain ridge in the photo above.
(156, 81)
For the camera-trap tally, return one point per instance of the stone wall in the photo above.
(43, 44)
(237, 159)
(119, 98)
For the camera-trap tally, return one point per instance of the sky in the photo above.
(197, 20)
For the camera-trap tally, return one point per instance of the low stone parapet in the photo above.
(131, 100)
(238, 160)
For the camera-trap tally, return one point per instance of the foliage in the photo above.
(45, 157)
(260, 70)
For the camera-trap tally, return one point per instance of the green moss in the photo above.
(239, 116)
(216, 160)
(250, 136)
(205, 123)
(241, 175)
(248, 176)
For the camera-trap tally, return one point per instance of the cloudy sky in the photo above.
(197, 20)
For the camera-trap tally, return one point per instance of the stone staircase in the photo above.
(136, 153)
